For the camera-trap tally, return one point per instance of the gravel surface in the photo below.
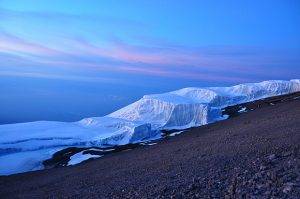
(253, 155)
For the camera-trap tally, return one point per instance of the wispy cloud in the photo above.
(59, 77)
(224, 63)
(15, 45)
(63, 17)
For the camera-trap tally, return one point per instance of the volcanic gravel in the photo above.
(253, 155)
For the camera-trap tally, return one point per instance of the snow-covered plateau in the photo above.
(24, 146)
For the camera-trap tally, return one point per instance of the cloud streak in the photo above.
(14, 45)
(225, 63)
(59, 77)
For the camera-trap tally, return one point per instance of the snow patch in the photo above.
(80, 157)
(148, 144)
(242, 110)
(175, 133)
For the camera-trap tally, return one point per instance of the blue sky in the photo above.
(61, 51)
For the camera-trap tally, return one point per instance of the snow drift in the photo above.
(24, 146)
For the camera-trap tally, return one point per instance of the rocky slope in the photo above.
(255, 154)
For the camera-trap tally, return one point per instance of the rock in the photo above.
(286, 154)
(288, 187)
(272, 157)
(262, 167)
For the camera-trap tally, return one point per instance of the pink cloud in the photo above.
(15, 45)
(146, 55)
(184, 74)
(172, 62)
(117, 51)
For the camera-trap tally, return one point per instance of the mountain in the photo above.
(24, 146)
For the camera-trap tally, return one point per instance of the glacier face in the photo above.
(189, 107)
(26, 145)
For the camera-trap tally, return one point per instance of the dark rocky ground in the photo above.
(253, 155)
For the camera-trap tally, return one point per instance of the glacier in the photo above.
(23, 146)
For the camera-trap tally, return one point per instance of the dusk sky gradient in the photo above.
(65, 59)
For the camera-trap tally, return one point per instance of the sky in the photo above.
(65, 60)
